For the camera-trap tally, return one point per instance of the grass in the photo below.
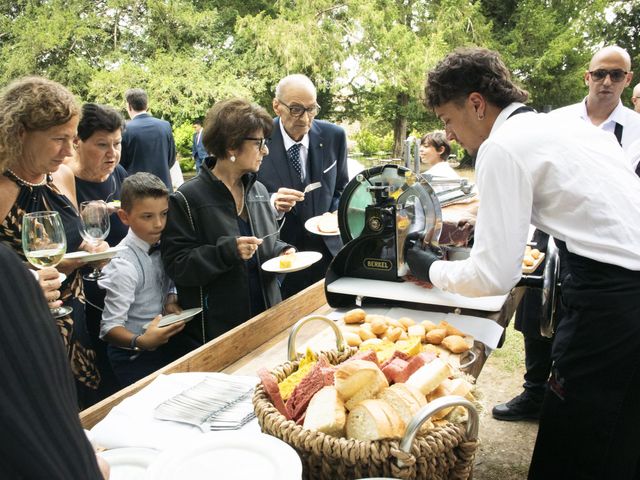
(511, 356)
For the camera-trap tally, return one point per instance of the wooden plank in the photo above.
(226, 349)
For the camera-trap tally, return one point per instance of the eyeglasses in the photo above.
(260, 142)
(298, 110)
(616, 75)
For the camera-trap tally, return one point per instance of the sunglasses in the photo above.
(616, 75)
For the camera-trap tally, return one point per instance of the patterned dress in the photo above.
(72, 327)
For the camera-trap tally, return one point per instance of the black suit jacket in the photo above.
(148, 146)
(327, 163)
(198, 152)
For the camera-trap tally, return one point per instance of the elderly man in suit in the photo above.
(147, 142)
(198, 152)
(302, 151)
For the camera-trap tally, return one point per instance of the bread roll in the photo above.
(406, 322)
(352, 339)
(393, 334)
(369, 318)
(378, 326)
(417, 331)
(535, 253)
(429, 376)
(326, 413)
(374, 420)
(428, 325)
(358, 380)
(404, 399)
(451, 330)
(355, 316)
(528, 261)
(366, 333)
(371, 341)
(436, 336)
(455, 343)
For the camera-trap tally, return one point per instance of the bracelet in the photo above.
(132, 344)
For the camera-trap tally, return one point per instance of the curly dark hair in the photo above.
(468, 70)
(98, 117)
(229, 122)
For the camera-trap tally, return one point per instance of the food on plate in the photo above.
(429, 376)
(528, 261)
(356, 315)
(455, 343)
(328, 223)
(358, 380)
(535, 253)
(326, 413)
(286, 261)
(374, 420)
(436, 336)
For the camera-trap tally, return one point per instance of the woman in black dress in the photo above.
(38, 122)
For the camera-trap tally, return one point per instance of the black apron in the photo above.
(591, 412)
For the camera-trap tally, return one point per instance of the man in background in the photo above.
(302, 151)
(198, 152)
(147, 142)
(608, 75)
(635, 98)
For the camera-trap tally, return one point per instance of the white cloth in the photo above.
(626, 117)
(443, 169)
(548, 171)
(304, 148)
(131, 423)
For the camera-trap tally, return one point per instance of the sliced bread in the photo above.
(374, 420)
(326, 413)
(359, 380)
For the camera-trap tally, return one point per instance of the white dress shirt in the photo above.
(626, 117)
(548, 171)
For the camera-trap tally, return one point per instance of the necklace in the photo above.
(29, 184)
(241, 207)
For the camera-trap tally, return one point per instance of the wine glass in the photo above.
(44, 244)
(95, 227)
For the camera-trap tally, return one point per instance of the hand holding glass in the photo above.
(95, 226)
(44, 243)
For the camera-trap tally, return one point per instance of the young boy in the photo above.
(136, 285)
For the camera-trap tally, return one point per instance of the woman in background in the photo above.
(434, 152)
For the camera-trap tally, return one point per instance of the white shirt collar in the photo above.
(617, 116)
(504, 115)
(289, 142)
(138, 242)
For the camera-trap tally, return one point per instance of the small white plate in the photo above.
(128, 463)
(312, 226)
(85, 256)
(62, 277)
(233, 455)
(301, 261)
(172, 318)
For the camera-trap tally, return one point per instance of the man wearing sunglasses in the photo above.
(302, 151)
(608, 74)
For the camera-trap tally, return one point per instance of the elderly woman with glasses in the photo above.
(221, 226)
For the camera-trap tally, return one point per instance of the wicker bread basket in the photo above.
(445, 452)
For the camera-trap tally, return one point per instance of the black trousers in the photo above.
(591, 412)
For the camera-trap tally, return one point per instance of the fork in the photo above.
(311, 187)
(277, 231)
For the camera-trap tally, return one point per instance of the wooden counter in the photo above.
(262, 341)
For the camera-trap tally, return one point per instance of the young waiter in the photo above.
(538, 169)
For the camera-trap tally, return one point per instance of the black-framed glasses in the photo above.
(298, 110)
(260, 142)
(616, 75)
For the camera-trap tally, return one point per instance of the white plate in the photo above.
(62, 277)
(84, 256)
(301, 261)
(128, 463)
(185, 315)
(312, 226)
(228, 455)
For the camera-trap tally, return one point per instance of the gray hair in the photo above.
(294, 79)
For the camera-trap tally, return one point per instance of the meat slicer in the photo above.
(379, 210)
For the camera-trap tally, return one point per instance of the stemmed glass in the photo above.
(44, 244)
(95, 227)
